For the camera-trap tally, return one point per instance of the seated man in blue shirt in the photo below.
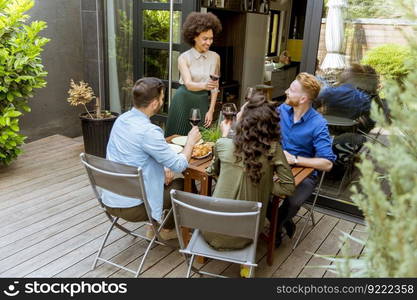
(306, 142)
(135, 141)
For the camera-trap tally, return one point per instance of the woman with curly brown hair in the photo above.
(195, 66)
(252, 165)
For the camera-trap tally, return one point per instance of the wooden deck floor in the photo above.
(51, 226)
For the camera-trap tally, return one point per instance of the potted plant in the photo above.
(96, 125)
(21, 72)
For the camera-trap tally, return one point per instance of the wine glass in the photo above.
(214, 75)
(195, 116)
(249, 93)
(229, 111)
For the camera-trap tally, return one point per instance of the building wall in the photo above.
(71, 53)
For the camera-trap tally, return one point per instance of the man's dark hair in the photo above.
(197, 22)
(145, 90)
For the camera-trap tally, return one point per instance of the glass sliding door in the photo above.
(151, 27)
(357, 41)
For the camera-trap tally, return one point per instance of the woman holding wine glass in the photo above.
(251, 165)
(199, 73)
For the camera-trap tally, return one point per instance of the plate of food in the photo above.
(176, 148)
(181, 140)
(202, 150)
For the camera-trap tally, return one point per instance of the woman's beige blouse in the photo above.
(201, 65)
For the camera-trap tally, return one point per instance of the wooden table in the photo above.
(299, 173)
(196, 171)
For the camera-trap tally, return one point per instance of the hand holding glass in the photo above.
(195, 116)
(214, 77)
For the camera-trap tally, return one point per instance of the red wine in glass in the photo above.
(214, 77)
(195, 116)
(229, 111)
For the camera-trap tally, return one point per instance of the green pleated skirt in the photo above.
(179, 111)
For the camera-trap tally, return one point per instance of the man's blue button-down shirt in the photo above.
(308, 137)
(135, 141)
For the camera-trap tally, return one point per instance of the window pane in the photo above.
(156, 25)
(156, 63)
(120, 54)
(353, 58)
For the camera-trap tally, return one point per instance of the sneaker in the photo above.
(290, 228)
(168, 234)
(244, 271)
(149, 232)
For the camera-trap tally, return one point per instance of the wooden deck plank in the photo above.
(37, 159)
(354, 249)
(46, 217)
(87, 250)
(283, 252)
(45, 142)
(155, 256)
(66, 221)
(32, 258)
(330, 247)
(301, 255)
(29, 153)
(25, 210)
(164, 266)
(82, 268)
(40, 157)
(38, 174)
(46, 192)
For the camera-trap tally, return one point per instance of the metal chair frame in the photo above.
(222, 210)
(132, 176)
(310, 211)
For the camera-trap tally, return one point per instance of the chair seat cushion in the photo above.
(199, 246)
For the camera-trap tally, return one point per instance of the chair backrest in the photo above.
(115, 177)
(225, 216)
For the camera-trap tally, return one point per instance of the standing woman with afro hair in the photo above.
(195, 66)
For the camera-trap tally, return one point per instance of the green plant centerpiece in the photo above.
(211, 134)
(96, 125)
(21, 71)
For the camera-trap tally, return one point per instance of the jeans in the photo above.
(292, 204)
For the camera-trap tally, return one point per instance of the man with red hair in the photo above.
(306, 142)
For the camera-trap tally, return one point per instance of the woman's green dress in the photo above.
(179, 111)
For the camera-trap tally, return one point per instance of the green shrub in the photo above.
(21, 71)
(211, 134)
(390, 61)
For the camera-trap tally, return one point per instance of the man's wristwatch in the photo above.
(295, 159)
